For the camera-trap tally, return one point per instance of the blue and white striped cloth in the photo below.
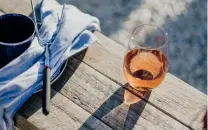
(23, 76)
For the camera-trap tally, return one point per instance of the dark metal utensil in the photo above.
(46, 75)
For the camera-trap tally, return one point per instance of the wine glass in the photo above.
(145, 63)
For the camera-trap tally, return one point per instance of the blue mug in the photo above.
(16, 34)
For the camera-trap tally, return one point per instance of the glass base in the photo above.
(132, 95)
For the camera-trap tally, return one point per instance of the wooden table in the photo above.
(90, 95)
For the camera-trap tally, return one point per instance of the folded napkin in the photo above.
(23, 76)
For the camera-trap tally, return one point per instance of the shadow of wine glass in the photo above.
(117, 114)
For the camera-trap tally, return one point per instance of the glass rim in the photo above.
(153, 25)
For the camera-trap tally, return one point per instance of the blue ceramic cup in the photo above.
(16, 34)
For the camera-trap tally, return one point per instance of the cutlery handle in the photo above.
(46, 90)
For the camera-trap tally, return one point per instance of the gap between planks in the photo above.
(134, 93)
(93, 69)
(150, 118)
(97, 94)
(64, 115)
(173, 96)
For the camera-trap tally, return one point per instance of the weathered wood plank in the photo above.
(24, 8)
(15, 128)
(104, 99)
(16, 6)
(173, 96)
(21, 123)
(64, 115)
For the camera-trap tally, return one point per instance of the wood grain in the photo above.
(16, 6)
(15, 128)
(64, 115)
(104, 99)
(173, 96)
(22, 124)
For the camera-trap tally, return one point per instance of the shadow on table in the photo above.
(115, 113)
(34, 103)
